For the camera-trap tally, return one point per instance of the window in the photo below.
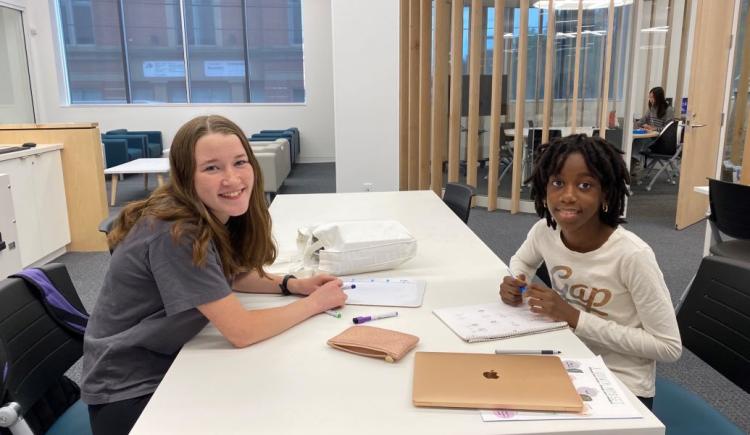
(183, 51)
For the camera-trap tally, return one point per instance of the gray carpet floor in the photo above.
(650, 216)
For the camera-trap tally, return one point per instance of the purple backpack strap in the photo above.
(57, 305)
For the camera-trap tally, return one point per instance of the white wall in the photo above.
(314, 119)
(365, 70)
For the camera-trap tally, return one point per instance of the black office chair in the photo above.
(730, 215)
(38, 351)
(458, 196)
(664, 151)
(714, 321)
(106, 225)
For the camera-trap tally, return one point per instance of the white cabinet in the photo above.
(10, 258)
(38, 194)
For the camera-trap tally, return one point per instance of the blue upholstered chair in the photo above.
(713, 320)
(116, 152)
(153, 143)
(35, 353)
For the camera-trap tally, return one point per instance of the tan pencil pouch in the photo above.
(375, 342)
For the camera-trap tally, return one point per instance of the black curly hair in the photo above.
(603, 160)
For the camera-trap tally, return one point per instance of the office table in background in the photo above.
(158, 166)
(295, 383)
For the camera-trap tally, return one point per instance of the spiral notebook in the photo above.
(495, 321)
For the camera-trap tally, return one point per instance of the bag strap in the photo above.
(58, 307)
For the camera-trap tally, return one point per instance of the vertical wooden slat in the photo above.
(548, 69)
(413, 172)
(403, 101)
(683, 58)
(607, 63)
(649, 52)
(745, 177)
(667, 44)
(498, 48)
(740, 105)
(520, 106)
(425, 67)
(440, 93)
(475, 64)
(576, 69)
(454, 121)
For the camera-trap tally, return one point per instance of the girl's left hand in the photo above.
(544, 300)
(305, 286)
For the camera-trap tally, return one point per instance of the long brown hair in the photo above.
(243, 244)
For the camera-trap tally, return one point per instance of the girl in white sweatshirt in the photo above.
(605, 280)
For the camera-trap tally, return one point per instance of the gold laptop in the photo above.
(489, 381)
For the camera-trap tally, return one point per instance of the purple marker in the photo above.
(363, 319)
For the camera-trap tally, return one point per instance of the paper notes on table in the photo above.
(602, 396)
(386, 292)
(494, 321)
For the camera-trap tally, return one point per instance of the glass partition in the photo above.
(15, 90)
(736, 133)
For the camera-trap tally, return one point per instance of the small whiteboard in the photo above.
(386, 292)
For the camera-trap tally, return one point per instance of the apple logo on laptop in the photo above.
(491, 375)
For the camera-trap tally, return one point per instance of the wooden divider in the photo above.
(475, 63)
(576, 69)
(440, 94)
(454, 122)
(523, 42)
(607, 62)
(425, 56)
(403, 100)
(498, 49)
(548, 69)
(413, 171)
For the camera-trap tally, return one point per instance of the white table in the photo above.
(295, 384)
(146, 166)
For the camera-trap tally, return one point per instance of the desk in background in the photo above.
(295, 383)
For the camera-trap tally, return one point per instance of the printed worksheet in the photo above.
(602, 396)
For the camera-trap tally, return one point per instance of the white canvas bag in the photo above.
(350, 247)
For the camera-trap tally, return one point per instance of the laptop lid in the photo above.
(489, 381)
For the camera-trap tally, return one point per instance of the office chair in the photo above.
(714, 321)
(37, 352)
(663, 151)
(458, 196)
(730, 208)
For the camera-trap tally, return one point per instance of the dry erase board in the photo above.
(386, 292)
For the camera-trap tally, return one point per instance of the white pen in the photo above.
(348, 286)
(333, 313)
(527, 351)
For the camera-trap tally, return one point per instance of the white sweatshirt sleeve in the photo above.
(528, 257)
(659, 336)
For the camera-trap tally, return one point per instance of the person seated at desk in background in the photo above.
(659, 114)
(606, 282)
(177, 256)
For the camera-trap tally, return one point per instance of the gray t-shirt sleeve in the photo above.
(183, 285)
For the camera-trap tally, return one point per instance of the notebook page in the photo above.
(494, 321)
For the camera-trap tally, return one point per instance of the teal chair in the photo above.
(153, 145)
(685, 413)
(714, 321)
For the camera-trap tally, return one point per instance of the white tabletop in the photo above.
(158, 165)
(294, 383)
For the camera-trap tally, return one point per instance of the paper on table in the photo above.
(601, 393)
(387, 292)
